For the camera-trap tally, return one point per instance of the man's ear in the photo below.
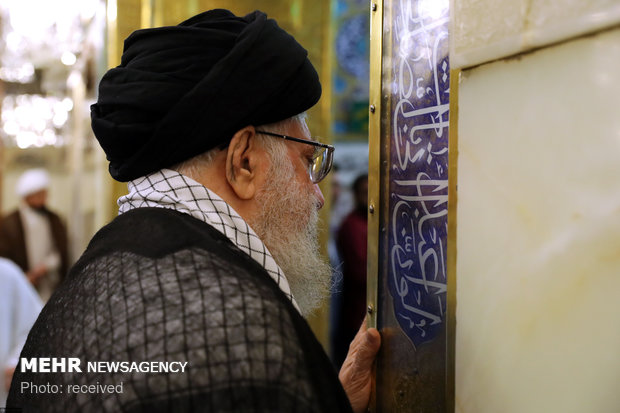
(243, 162)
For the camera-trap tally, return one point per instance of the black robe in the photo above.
(159, 285)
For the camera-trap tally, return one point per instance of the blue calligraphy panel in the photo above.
(418, 192)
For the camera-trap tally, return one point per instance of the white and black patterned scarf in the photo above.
(169, 189)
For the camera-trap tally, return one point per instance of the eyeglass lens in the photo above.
(321, 165)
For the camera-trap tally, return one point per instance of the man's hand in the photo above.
(356, 372)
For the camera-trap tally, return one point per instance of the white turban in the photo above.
(32, 181)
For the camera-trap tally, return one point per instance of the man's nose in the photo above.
(319, 195)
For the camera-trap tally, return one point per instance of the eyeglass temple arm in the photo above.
(290, 138)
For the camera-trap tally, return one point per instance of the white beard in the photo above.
(287, 224)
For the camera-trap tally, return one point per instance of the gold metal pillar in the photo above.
(415, 366)
(376, 152)
(453, 156)
(374, 156)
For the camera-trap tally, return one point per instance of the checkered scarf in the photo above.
(169, 189)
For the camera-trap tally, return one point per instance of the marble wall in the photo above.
(538, 239)
(485, 30)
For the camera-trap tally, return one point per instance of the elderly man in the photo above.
(213, 259)
(34, 237)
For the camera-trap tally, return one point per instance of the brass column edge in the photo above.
(327, 59)
(455, 75)
(113, 59)
(146, 13)
(374, 157)
(112, 34)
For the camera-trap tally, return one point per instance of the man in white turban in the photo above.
(34, 237)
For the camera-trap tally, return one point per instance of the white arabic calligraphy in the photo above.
(418, 206)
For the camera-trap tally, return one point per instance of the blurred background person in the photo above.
(352, 247)
(34, 237)
(19, 308)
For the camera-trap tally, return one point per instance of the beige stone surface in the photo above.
(538, 266)
(486, 30)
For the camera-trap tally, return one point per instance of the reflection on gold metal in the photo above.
(452, 230)
(374, 155)
(146, 14)
(374, 164)
(113, 53)
(112, 48)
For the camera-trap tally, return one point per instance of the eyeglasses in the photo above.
(322, 158)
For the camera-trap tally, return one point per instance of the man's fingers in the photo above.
(369, 346)
(374, 338)
(356, 372)
(366, 344)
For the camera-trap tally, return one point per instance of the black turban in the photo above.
(182, 90)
